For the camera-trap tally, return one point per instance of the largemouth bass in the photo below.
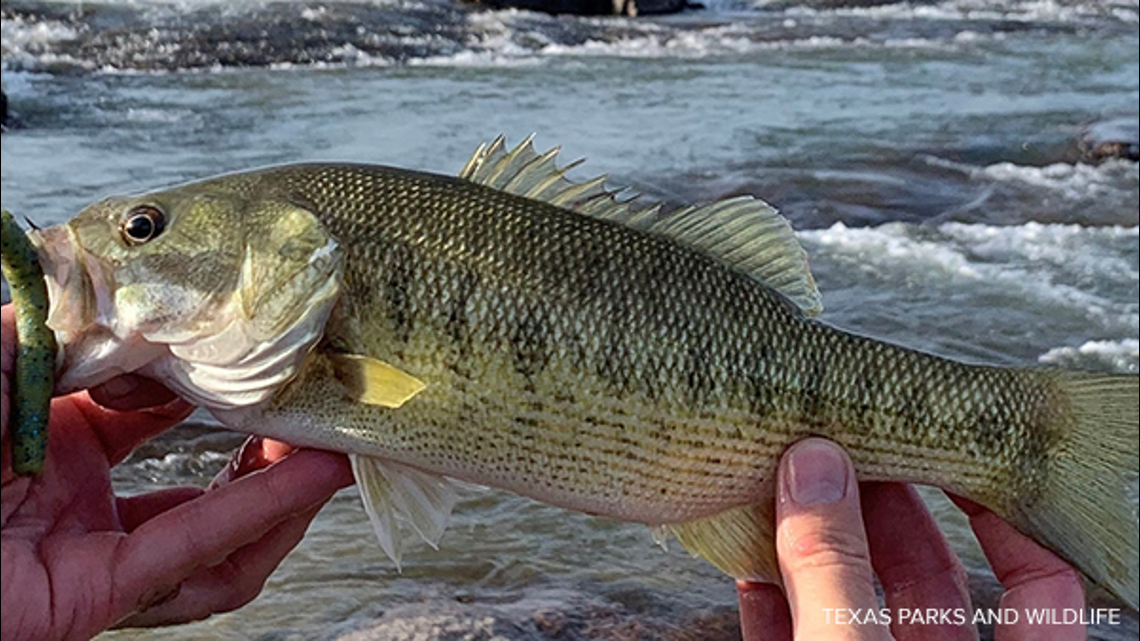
(512, 328)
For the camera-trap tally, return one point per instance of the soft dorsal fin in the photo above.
(744, 233)
(752, 237)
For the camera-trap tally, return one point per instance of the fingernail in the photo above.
(816, 473)
(273, 451)
(121, 386)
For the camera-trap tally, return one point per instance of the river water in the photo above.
(926, 151)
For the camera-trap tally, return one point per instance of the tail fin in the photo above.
(1088, 509)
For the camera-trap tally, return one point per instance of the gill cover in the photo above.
(286, 288)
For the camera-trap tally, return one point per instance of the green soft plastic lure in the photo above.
(35, 353)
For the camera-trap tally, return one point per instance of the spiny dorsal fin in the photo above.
(524, 172)
(744, 233)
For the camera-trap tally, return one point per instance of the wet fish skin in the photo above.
(34, 373)
(578, 359)
(651, 333)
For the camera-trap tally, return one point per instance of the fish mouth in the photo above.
(81, 314)
(73, 304)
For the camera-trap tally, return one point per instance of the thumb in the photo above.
(822, 545)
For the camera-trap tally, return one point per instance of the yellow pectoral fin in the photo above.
(375, 382)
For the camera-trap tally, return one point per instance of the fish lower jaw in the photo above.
(97, 356)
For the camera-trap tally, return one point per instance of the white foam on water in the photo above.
(1119, 355)
(716, 42)
(313, 14)
(1072, 248)
(1114, 180)
(1055, 11)
(149, 115)
(507, 38)
(1041, 266)
(511, 37)
(1072, 181)
(493, 47)
(18, 33)
(26, 45)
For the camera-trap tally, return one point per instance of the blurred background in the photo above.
(962, 172)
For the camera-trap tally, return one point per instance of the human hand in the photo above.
(78, 560)
(829, 560)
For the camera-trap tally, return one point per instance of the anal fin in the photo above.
(395, 494)
(740, 542)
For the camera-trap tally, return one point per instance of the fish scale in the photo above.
(522, 356)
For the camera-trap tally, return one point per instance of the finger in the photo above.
(7, 363)
(254, 454)
(119, 433)
(230, 584)
(135, 510)
(764, 612)
(245, 460)
(131, 392)
(161, 553)
(916, 567)
(821, 543)
(1034, 578)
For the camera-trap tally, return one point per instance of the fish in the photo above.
(34, 374)
(514, 328)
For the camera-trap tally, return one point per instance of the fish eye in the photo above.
(143, 224)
